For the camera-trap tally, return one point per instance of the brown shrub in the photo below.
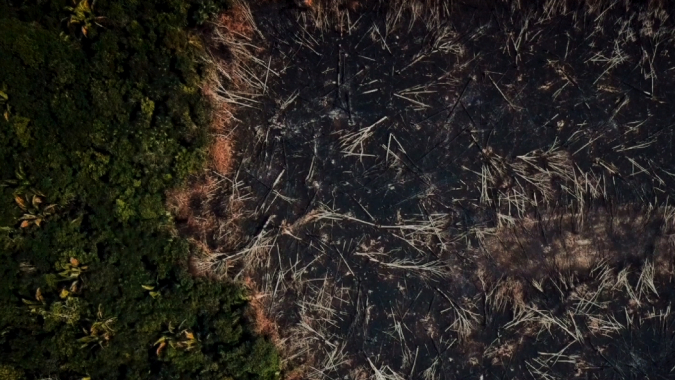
(190, 206)
(220, 154)
(237, 20)
(177, 202)
(263, 324)
(198, 260)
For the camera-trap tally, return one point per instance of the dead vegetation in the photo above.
(423, 193)
(235, 83)
(599, 314)
(564, 243)
(258, 311)
(230, 44)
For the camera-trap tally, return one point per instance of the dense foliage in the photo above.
(101, 113)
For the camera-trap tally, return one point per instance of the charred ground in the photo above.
(455, 190)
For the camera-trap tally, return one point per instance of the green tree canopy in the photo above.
(100, 113)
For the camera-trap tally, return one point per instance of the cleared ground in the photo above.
(446, 190)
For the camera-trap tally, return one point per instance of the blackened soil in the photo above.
(489, 80)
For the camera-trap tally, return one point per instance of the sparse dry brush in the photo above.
(233, 84)
(259, 312)
(595, 329)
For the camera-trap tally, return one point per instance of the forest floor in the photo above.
(477, 190)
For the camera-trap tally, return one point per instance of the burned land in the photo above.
(442, 190)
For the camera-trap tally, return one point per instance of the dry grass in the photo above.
(504, 294)
(342, 15)
(227, 88)
(421, 232)
(190, 204)
(405, 13)
(384, 372)
(234, 54)
(465, 318)
(196, 259)
(588, 317)
(536, 179)
(314, 347)
(220, 154)
(535, 248)
(420, 267)
(322, 15)
(257, 312)
(234, 82)
(221, 150)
